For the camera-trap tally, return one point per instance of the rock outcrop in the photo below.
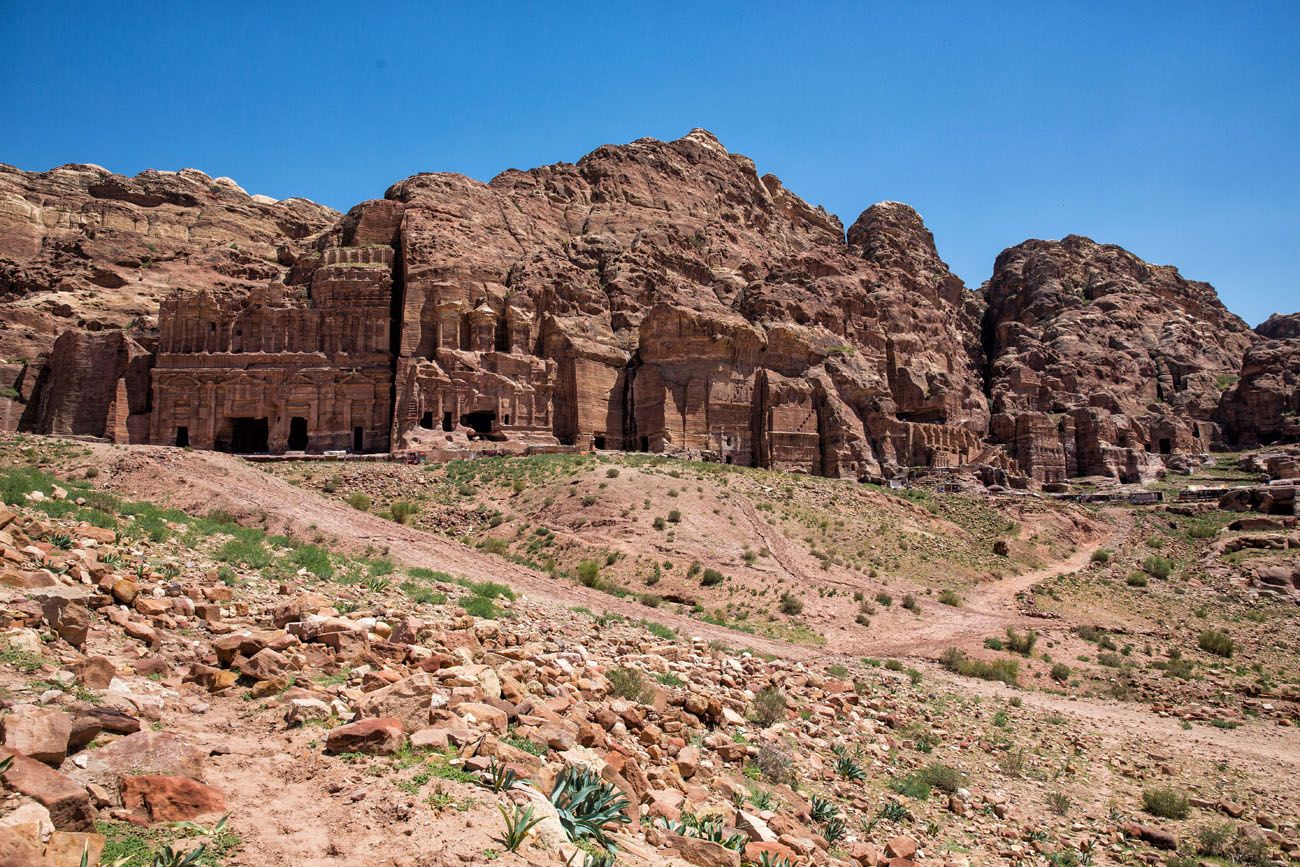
(1263, 406)
(1099, 361)
(81, 247)
(655, 296)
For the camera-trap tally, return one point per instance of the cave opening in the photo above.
(297, 434)
(481, 420)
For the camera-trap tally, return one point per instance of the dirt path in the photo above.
(200, 481)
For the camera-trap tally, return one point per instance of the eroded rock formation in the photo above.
(1263, 406)
(654, 296)
(1100, 362)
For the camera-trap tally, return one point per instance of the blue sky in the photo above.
(1172, 129)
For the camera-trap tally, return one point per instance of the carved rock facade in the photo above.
(655, 296)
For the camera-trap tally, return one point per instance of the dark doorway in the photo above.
(1166, 447)
(183, 436)
(506, 420)
(599, 442)
(426, 421)
(298, 434)
(248, 435)
(645, 444)
(480, 421)
(358, 439)
(446, 421)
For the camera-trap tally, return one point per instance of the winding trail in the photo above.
(199, 481)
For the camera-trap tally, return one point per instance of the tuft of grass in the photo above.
(950, 597)
(1166, 802)
(1158, 567)
(629, 683)
(1216, 642)
(1005, 670)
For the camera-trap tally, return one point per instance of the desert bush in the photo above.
(711, 578)
(1136, 579)
(358, 501)
(1021, 644)
(1158, 567)
(950, 597)
(773, 765)
(628, 683)
(1101, 555)
(1058, 803)
(791, 604)
(910, 603)
(768, 707)
(1165, 802)
(1216, 642)
(884, 599)
(589, 573)
(403, 511)
(1005, 670)
(1060, 672)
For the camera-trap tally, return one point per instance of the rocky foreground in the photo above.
(179, 681)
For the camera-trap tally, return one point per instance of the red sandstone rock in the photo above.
(68, 803)
(379, 736)
(170, 799)
(1263, 406)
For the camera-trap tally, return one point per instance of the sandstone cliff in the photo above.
(1263, 406)
(81, 247)
(654, 296)
(1098, 359)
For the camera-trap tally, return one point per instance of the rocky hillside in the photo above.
(176, 679)
(81, 247)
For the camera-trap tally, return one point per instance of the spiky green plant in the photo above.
(499, 778)
(767, 859)
(823, 809)
(167, 857)
(833, 830)
(585, 804)
(62, 541)
(849, 769)
(519, 821)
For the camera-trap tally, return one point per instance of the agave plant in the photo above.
(585, 804)
(710, 828)
(767, 859)
(519, 821)
(62, 541)
(849, 769)
(833, 830)
(823, 809)
(167, 857)
(499, 778)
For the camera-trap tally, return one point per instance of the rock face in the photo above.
(658, 296)
(1098, 361)
(655, 296)
(84, 249)
(1263, 406)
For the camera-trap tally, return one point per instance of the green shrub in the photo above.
(910, 603)
(628, 683)
(769, 706)
(589, 573)
(945, 778)
(1021, 644)
(1158, 567)
(1060, 672)
(1101, 555)
(1165, 802)
(480, 606)
(402, 511)
(711, 578)
(1005, 670)
(791, 604)
(950, 597)
(1136, 579)
(884, 599)
(1216, 642)
(358, 501)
